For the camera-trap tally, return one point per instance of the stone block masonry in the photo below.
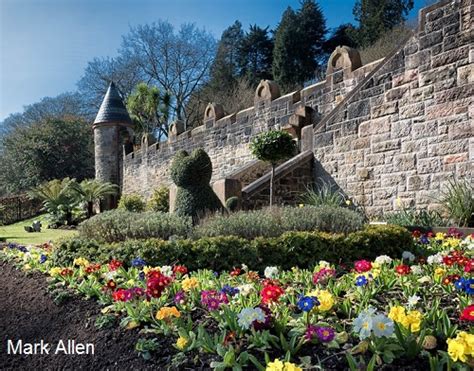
(395, 128)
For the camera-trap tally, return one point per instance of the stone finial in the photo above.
(177, 127)
(214, 112)
(345, 58)
(267, 90)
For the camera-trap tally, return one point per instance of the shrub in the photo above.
(303, 249)
(132, 202)
(192, 174)
(275, 221)
(412, 217)
(160, 200)
(119, 225)
(324, 194)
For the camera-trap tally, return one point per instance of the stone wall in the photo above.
(395, 128)
(407, 129)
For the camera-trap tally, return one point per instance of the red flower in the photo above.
(122, 295)
(362, 266)
(448, 260)
(111, 285)
(469, 267)
(271, 293)
(402, 269)
(157, 284)
(66, 272)
(323, 275)
(92, 268)
(115, 264)
(416, 234)
(236, 272)
(180, 269)
(468, 313)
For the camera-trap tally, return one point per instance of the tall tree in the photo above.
(225, 67)
(177, 61)
(376, 17)
(150, 109)
(255, 54)
(45, 150)
(299, 41)
(344, 34)
(285, 59)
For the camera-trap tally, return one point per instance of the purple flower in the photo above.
(361, 281)
(43, 258)
(325, 334)
(180, 297)
(138, 262)
(311, 332)
(229, 290)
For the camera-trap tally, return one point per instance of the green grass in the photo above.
(16, 232)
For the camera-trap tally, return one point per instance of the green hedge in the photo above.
(303, 249)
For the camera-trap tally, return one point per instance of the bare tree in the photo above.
(177, 61)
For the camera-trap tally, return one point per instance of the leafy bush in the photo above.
(192, 174)
(303, 249)
(413, 217)
(273, 222)
(119, 225)
(458, 199)
(132, 202)
(160, 200)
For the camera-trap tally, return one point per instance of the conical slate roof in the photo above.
(112, 109)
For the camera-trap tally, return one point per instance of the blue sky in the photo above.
(46, 44)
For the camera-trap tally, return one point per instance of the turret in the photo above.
(111, 122)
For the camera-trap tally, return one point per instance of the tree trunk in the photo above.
(272, 179)
(90, 208)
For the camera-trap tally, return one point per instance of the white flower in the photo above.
(110, 275)
(416, 269)
(424, 279)
(435, 259)
(408, 256)
(271, 272)
(413, 300)
(383, 259)
(324, 264)
(166, 270)
(245, 268)
(245, 289)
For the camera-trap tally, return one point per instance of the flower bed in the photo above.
(407, 311)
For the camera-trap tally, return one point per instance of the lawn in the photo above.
(16, 232)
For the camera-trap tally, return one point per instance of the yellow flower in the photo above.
(189, 283)
(413, 320)
(81, 262)
(468, 341)
(291, 367)
(56, 271)
(326, 299)
(457, 350)
(439, 272)
(167, 312)
(301, 205)
(181, 343)
(26, 267)
(278, 365)
(147, 269)
(348, 202)
(439, 236)
(397, 314)
(131, 283)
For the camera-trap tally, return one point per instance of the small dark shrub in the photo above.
(232, 203)
(192, 174)
(119, 225)
(132, 202)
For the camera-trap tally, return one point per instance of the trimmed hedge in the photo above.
(303, 249)
(119, 225)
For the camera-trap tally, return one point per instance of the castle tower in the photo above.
(111, 121)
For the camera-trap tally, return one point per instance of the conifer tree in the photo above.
(255, 55)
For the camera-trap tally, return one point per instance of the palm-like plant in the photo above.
(58, 197)
(92, 190)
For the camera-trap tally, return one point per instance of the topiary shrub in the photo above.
(132, 202)
(192, 174)
(160, 200)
